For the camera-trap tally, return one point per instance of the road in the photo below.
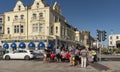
(110, 57)
(113, 65)
(39, 66)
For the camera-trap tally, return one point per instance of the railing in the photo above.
(19, 20)
(38, 19)
(5, 36)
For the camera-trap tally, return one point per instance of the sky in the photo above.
(90, 15)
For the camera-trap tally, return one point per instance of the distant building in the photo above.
(114, 41)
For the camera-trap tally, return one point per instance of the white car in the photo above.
(19, 54)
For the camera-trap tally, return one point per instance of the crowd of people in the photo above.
(72, 54)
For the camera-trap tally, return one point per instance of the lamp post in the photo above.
(27, 23)
(47, 35)
(56, 41)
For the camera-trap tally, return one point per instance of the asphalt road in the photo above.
(39, 66)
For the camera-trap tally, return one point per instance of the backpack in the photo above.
(83, 54)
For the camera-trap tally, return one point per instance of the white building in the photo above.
(114, 41)
(41, 22)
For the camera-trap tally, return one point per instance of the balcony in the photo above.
(19, 20)
(6, 36)
(41, 19)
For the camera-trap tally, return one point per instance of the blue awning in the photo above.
(13, 45)
(31, 45)
(41, 44)
(22, 45)
(51, 45)
(6, 45)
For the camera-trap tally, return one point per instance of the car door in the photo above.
(18, 54)
(14, 55)
(21, 54)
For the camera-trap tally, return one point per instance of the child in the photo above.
(68, 56)
(52, 56)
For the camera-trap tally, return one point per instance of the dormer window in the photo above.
(41, 14)
(8, 18)
(19, 7)
(22, 17)
(37, 5)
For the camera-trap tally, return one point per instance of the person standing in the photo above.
(83, 53)
(94, 54)
(72, 55)
(58, 54)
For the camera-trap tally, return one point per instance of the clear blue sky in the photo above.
(84, 14)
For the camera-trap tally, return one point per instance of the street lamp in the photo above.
(46, 39)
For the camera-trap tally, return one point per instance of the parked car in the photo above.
(19, 54)
(38, 53)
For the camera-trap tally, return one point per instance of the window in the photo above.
(8, 30)
(35, 28)
(18, 29)
(8, 18)
(16, 17)
(117, 37)
(111, 37)
(56, 29)
(63, 31)
(40, 27)
(56, 19)
(15, 29)
(21, 51)
(66, 32)
(24, 51)
(34, 16)
(1, 20)
(52, 29)
(21, 29)
(111, 42)
(37, 5)
(41, 14)
(0, 29)
(19, 8)
(22, 17)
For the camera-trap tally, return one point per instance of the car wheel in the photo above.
(27, 57)
(7, 57)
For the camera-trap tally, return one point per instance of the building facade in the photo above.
(1, 25)
(114, 41)
(40, 21)
(36, 22)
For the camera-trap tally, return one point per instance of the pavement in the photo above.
(100, 67)
(114, 66)
(39, 66)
